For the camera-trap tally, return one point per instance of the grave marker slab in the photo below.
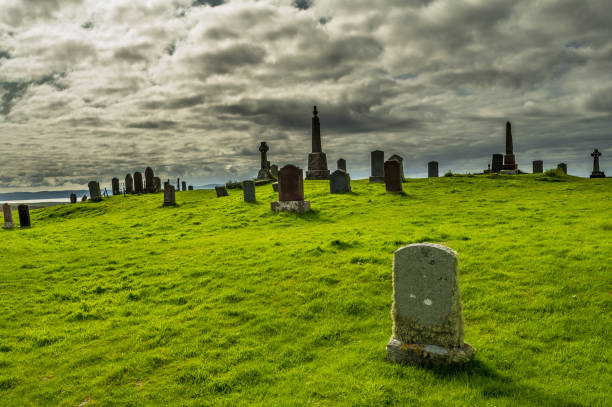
(94, 191)
(149, 180)
(248, 189)
(190, 188)
(562, 167)
(393, 176)
(184, 185)
(497, 162)
(221, 191)
(73, 198)
(290, 191)
(339, 182)
(377, 160)
(129, 184)
(115, 186)
(432, 169)
(24, 216)
(401, 161)
(138, 186)
(342, 164)
(169, 195)
(9, 223)
(538, 167)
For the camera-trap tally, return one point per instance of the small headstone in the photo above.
(190, 188)
(562, 167)
(178, 184)
(8, 217)
(84, 198)
(24, 216)
(129, 184)
(597, 173)
(248, 188)
(291, 191)
(138, 188)
(221, 191)
(73, 198)
(339, 182)
(342, 164)
(149, 180)
(184, 186)
(274, 170)
(169, 197)
(427, 311)
(275, 186)
(401, 161)
(94, 191)
(393, 176)
(156, 184)
(497, 162)
(432, 169)
(377, 166)
(538, 167)
(115, 186)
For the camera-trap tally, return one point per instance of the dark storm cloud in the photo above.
(228, 59)
(212, 3)
(302, 4)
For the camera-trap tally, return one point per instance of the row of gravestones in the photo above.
(24, 216)
(377, 163)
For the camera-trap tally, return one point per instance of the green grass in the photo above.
(220, 302)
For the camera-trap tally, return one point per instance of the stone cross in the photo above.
(538, 167)
(24, 216)
(317, 160)
(129, 184)
(339, 182)
(138, 189)
(221, 191)
(8, 217)
(432, 169)
(263, 149)
(115, 186)
(509, 160)
(427, 311)
(342, 164)
(248, 189)
(377, 165)
(169, 197)
(597, 173)
(149, 180)
(291, 191)
(393, 176)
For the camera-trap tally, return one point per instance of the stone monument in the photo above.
(248, 189)
(221, 191)
(184, 186)
(291, 191)
(538, 167)
(342, 164)
(190, 188)
(169, 197)
(157, 184)
(149, 180)
(317, 160)
(497, 163)
(393, 176)
(596, 172)
(8, 217)
(339, 182)
(24, 216)
(94, 191)
(510, 166)
(138, 188)
(264, 171)
(427, 311)
(399, 159)
(562, 167)
(129, 184)
(115, 186)
(274, 170)
(73, 198)
(377, 160)
(432, 169)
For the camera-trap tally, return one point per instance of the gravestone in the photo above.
(264, 170)
(275, 186)
(497, 162)
(317, 160)
(184, 185)
(129, 184)
(84, 198)
(156, 184)
(562, 167)
(393, 176)
(342, 164)
(427, 311)
(149, 180)
(73, 198)
(169, 196)
(115, 186)
(377, 160)
(138, 186)
(509, 166)
(401, 161)
(290, 191)
(538, 167)
(190, 188)
(432, 169)
(221, 191)
(597, 173)
(94, 191)
(8, 217)
(248, 188)
(24, 216)
(178, 184)
(274, 170)
(339, 182)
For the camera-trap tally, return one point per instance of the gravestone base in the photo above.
(8, 225)
(317, 174)
(376, 179)
(509, 172)
(597, 175)
(291, 206)
(169, 204)
(420, 354)
(264, 174)
(317, 166)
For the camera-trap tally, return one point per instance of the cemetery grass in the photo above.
(221, 302)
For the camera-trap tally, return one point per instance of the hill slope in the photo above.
(220, 302)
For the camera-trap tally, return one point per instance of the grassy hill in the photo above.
(220, 302)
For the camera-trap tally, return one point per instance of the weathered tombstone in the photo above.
(129, 184)
(432, 169)
(317, 160)
(73, 198)
(597, 173)
(401, 161)
(84, 198)
(24, 216)
(509, 166)
(377, 165)
(169, 197)
(264, 171)
(138, 189)
(290, 191)
(342, 164)
(538, 167)
(8, 217)
(178, 184)
(184, 186)
(94, 191)
(339, 182)
(115, 186)
(248, 189)
(497, 162)
(221, 191)
(427, 311)
(274, 170)
(190, 188)
(156, 184)
(562, 167)
(275, 186)
(149, 180)
(393, 176)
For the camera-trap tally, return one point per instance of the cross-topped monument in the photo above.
(317, 160)
(596, 172)
(264, 171)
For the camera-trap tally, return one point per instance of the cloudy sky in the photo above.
(93, 89)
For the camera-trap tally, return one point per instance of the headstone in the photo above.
(378, 166)
(84, 198)
(73, 198)
(562, 167)
(221, 191)
(156, 184)
(339, 182)
(129, 184)
(274, 170)
(248, 188)
(291, 191)
(497, 163)
(427, 311)
(190, 187)
(138, 187)
(24, 216)
(8, 217)
(115, 186)
(169, 197)
(149, 180)
(275, 186)
(597, 173)
(538, 167)
(432, 169)
(317, 160)
(393, 176)
(178, 184)
(509, 160)
(401, 161)
(184, 186)
(342, 164)
(264, 170)
(94, 191)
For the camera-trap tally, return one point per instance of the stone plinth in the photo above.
(509, 172)
(291, 206)
(317, 167)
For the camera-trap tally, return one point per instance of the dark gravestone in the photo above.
(597, 173)
(84, 198)
(339, 182)
(401, 161)
(562, 167)
(190, 188)
(275, 187)
(149, 180)
(73, 198)
(497, 162)
(342, 164)
(317, 160)
(509, 160)
(291, 191)
(24, 216)
(8, 217)
(156, 184)
(115, 186)
(248, 188)
(178, 184)
(94, 191)
(432, 169)
(169, 197)
(184, 186)
(393, 176)
(538, 167)
(129, 184)
(274, 170)
(264, 170)
(377, 165)
(138, 188)
(221, 191)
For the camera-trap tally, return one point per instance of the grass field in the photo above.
(220, 302)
